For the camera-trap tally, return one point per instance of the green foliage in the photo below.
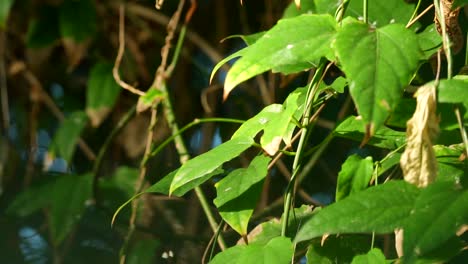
(374, 256)
(77, 19)
(5, 6)
(354, 176)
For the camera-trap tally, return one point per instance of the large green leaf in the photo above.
(337, 249)
(5, 6)
(374, 256)
(68, 204)
(378, 209)
(354, 176)
(381, 13)
(290, 46)
(44, 30)
(378, 64)
(102, 93)
(198, 167)
(67, 135)
(439, 211)
(78, 19)
(353, 128)
(251, 127)
(237, 194)
(278, 251)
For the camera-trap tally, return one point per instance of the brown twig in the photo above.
(410, 23)
(118, 59)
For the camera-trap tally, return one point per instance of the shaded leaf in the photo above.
(378, 209)
(457, 3)
(279, 250)
(144, 251)
(354, 176)
(378, 64)
(101, 94)
(381, 13)
(439, 211)
(248, 39)
(429, 41)
(449, 163)
(353, 128)
(292, 45)
(374, 256)
(67, 135)
(31, 200)
(5, 6)
(198, 167)
(44, 30)
(68, 204)
(453, 91)
(78, 19)
(337, 249)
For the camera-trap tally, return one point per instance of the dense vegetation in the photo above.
(335, 133)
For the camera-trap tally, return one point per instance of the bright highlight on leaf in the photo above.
(418, 162)
(378, 64)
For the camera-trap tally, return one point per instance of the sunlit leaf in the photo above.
(354, 176)
(279, 250)
(353, 128)
(292, 45)
(378, 209)
(5, 6)
(69, 202)
(248, 39)
(453, 91)
(200, 166)
(439, 211)
(101, 94)
(67, 135)
(251, 127)
(305, 7)
(148, 99)
(381, 13)
(78, 19)
(378, 64)
(450, 164)
(374, 256)
(429, 41)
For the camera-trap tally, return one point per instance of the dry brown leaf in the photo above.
(418, 162)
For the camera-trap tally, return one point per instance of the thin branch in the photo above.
(3, 84)
(410, 23)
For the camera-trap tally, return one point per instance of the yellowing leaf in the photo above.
(418, 162)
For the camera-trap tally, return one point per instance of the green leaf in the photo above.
(254, 125)
(337, 249)
(307, 7)
(439, 211)
(101, 94)
(68, 204)
(5, 6)
(189, 174)
(31, 199)
(353, 128)
(429, 41)
(150, 97)
(453, 91)
(457, 3)
(402, 113)
(292, 45)
(450, 166)
(381, 13)
(378, 64)
(354, 176)
(144, 251)
(67, 135)
(237, 194)
(375, 256)
(248, 39)
(378, 209)
(78, 19)
(278, 251)
(239, 181)
(44, 30)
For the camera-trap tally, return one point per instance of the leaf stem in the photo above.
(365, 9)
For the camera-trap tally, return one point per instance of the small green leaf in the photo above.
(101, 94)
(198, 167)
(429, 41)
(354, 176)
(144, 251)
(278, 251)
(251, 127)
(337, 249)
(439, 211)
(68, 204)
(67, 135)
(378, 209)
(5, 6)
(353, 128)
(78, 19)
(381, 13)
(44, 30)
(292, 45)
(378, 64)
(374, 256)
(150, 96)
(450, 166)
(453, 91)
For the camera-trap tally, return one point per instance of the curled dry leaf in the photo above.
(418, 162)
(452, 27)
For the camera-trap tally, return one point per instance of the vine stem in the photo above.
(365, 9)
